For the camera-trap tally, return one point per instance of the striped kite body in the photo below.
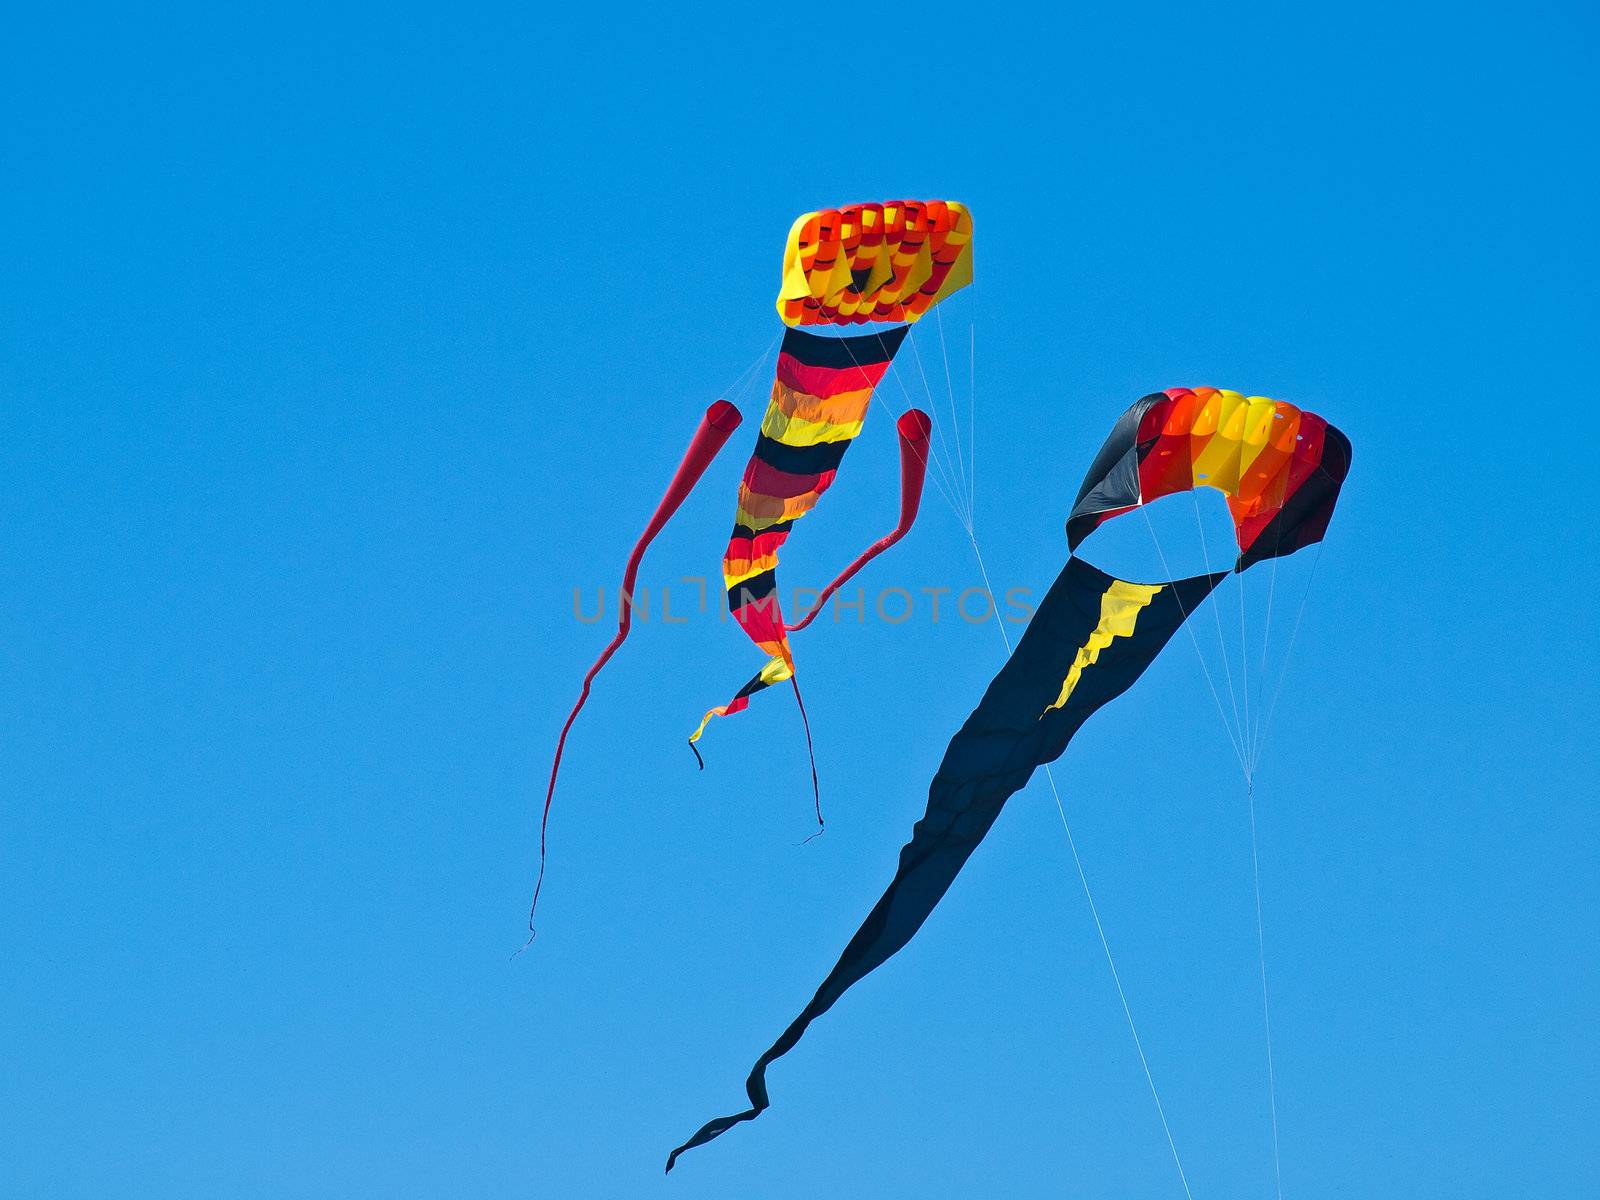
(819, 401)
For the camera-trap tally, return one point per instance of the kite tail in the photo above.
(914, 428)
(755, 1087)
(811, 754)
(777, 670)
(718, 424)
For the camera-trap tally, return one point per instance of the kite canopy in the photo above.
(875, 262)
(1280, 467)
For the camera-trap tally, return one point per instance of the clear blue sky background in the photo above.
(339, 347)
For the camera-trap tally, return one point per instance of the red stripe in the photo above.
(759, 546)
(760, 619)
(824, 382)
(764, 480)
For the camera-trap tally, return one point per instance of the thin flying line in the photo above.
(972, 410)
(1244, 661)
(742, 380)
(1194, 642)
(925, 462)
(1094, 911)
(924, 459)
(1287, 654)
(947, 486)
(1266, 1007)
(1266, 646)
(1216, 614)
(934, 405)
(950, 393)
(939, 446)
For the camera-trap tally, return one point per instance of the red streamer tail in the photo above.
(715, 428)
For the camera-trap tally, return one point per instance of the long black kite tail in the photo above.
(1091, 637)
(755, 1087)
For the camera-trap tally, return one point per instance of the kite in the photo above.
(1279, 467)
(865, 263)
(1090, 639)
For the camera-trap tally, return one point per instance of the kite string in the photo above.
(966, 518)
(1216, 615)
(1244, 662)
(1266, 645)
(955, 421)
(1255, 861)
(1247, 765)
(1195, 642)
(972, 412)
(1094, 910)
(965, 514)
(1254, 738)
(1294, 635)
(941, 478)
(1266, 1006)
(742, 382)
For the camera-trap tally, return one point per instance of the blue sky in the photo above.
(339, 348)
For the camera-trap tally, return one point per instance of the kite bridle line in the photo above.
(1249, 741)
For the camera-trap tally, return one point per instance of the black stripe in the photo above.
(801, 460)
(756, 588)
(751, 688)
(836, 353)
(744, 531)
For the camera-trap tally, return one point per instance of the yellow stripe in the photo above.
(797, 431)
(1119, 611)
(1217, 464)
(1257, 430)
(743, 516)
(776, 671)
(735, 572)
(1267, 479)
(840, 409)
(758, 512)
